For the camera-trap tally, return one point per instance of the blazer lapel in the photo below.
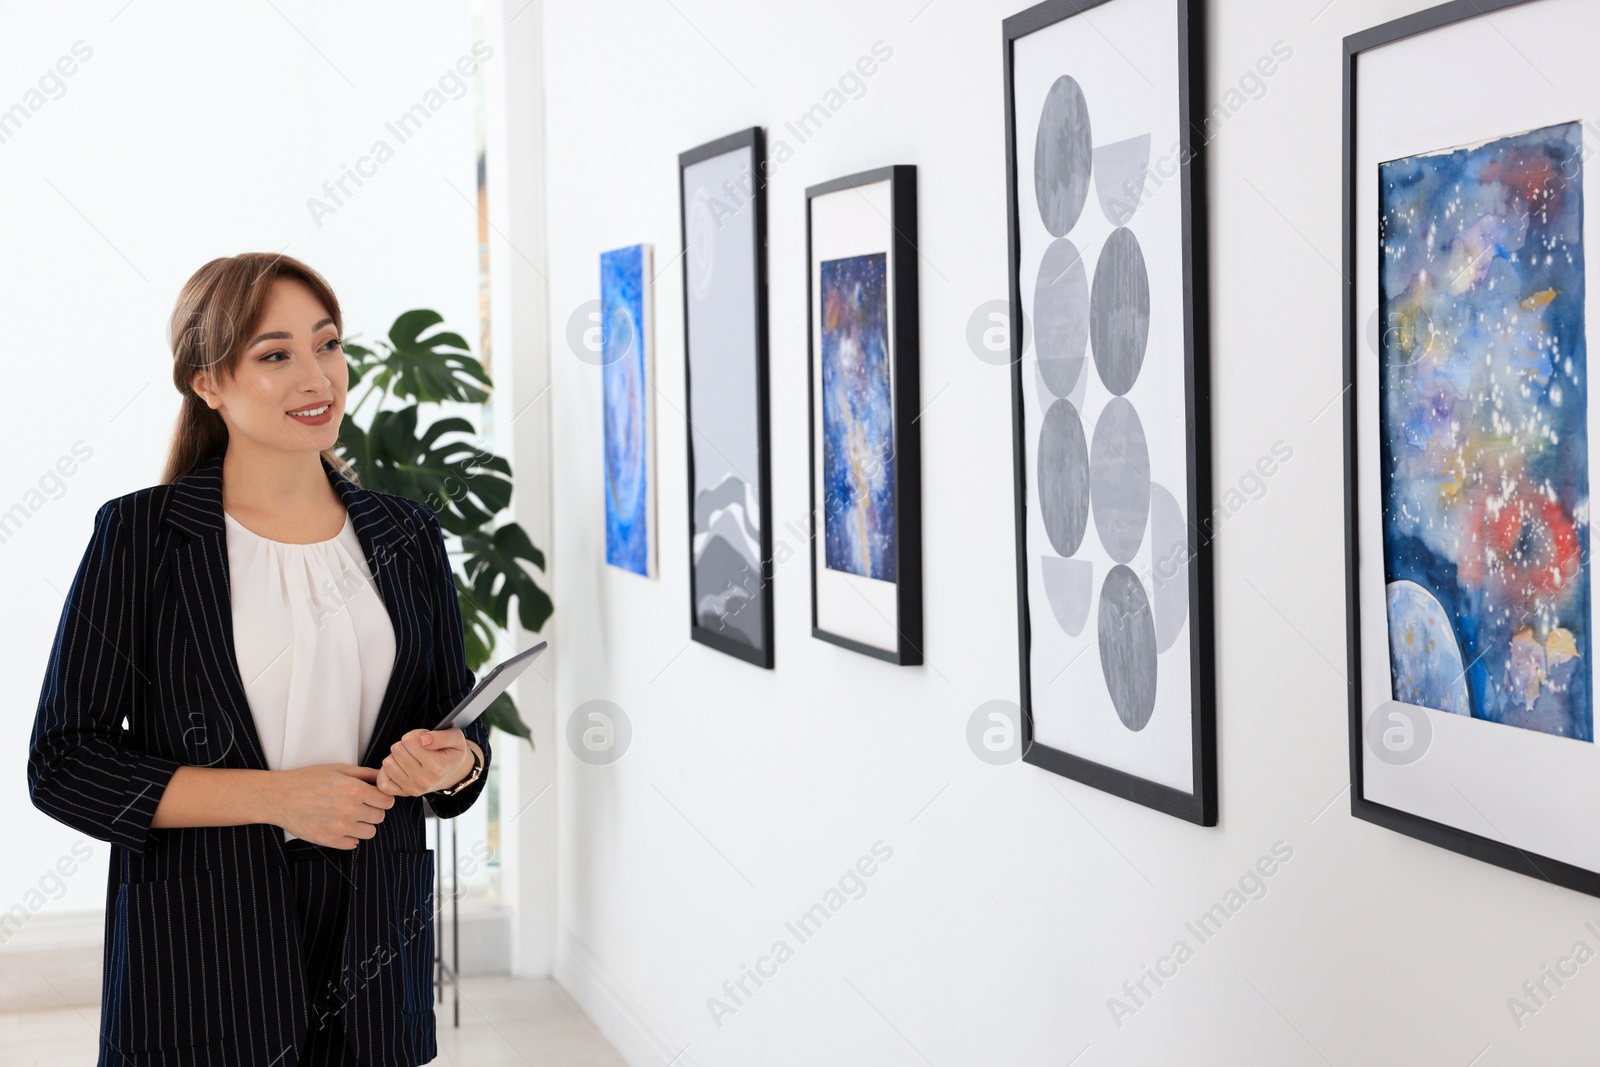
(391, 547)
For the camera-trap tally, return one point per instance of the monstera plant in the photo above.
(442, 466)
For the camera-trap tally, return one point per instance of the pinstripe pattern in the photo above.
(321, 877)
(203, 959)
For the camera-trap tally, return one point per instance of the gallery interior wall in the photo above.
(1013, 904)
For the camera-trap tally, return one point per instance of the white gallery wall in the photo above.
(186, 131)
(1006, 907)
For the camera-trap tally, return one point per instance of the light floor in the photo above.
(503, 1021)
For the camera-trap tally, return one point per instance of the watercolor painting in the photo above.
(1484, 431)
(857, 418)
(624, 350)
(726, 410)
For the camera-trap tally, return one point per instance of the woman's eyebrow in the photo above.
(281, 335)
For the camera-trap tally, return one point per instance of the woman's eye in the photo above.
(279, 356)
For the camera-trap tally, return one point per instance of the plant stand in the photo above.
(440, 968)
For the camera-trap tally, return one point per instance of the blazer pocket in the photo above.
(207, 1055)
(175, 981)
(407, 880)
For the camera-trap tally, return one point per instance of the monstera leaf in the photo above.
(429, 370)
(465, 486)
(496, 577)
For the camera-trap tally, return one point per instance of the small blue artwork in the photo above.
(624, 278)
(857, 418)
(1483, 387)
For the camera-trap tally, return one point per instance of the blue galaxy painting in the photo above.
(1484, 431)
(624, 387)
(857, 418)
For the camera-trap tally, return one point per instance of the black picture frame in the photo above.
(905, 363)
(1499, 853)
(1200, 805)
(753, 141)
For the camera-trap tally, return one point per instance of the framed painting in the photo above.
(723, 212)
(1468, 458)
(628, 389)
(1110, 397)
(866, 495)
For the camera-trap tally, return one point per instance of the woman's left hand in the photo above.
(425, 760)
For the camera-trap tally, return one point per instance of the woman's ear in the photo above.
(201, 384)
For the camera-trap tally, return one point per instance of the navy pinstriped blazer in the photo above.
(203, 962)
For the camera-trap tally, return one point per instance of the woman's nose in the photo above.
(316, 380)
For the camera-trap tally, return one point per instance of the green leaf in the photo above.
(501, 714)
(352, 444)
(480, 628)
(430, 369)
(463, 485)
(496, 576)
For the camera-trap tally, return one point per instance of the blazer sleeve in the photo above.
(83, 768)
(451, 678)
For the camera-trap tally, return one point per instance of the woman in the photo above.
(238, 699)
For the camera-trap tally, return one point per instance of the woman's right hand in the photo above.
(333, 804)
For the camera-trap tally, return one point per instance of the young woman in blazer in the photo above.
(238, 700)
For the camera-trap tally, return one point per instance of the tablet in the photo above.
(493, 684)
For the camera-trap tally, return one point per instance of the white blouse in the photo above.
(314, 642)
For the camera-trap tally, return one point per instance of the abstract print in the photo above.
(857, 418)
(1484, 431)
(622, 347)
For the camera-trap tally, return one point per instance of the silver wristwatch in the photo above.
(477, 772)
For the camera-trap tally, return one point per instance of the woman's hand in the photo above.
(425, 760)
(333, 804)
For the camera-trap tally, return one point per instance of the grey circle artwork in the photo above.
(1063, 477)
(1128, 647)
(1119, 479)
(1063, 155)
(1061, 316)
(1169, 566)
(1119, 311)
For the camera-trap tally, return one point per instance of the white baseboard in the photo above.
(53, 961)
(485, 939)
(619, 1014)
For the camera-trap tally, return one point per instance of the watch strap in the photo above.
(472, 776)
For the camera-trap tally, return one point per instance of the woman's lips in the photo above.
(313, 416)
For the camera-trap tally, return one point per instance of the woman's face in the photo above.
(287, 391)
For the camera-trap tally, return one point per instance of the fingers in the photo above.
(421, 756)
(420, 741)
(366, 774)
(435, 739)
(400, 776)
(408, 754)
(386, 783)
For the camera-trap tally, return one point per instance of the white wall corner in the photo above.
(518, 299)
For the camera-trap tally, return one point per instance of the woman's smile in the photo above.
(315, 415)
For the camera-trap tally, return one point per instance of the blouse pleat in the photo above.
(314, 642)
